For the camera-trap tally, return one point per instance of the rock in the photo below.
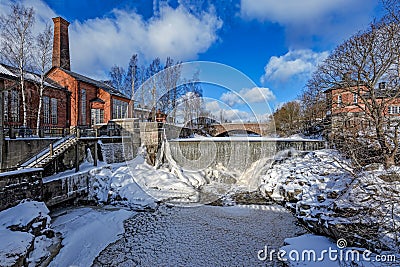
(390, 177)
(373, 167)
(321, 198)
(332, 194)
(304, 206)
(14, 247)
(247, 198)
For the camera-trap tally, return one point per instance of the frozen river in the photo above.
(200, 236)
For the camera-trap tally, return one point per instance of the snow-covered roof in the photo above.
(4, 70)
(111, 90)
(29, 76)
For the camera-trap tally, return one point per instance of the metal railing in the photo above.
(25, 132)
(37, 158)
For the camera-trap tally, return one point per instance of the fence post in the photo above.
(95, 154)
(77, 157)
(51, 150)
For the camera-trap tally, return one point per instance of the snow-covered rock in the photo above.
(27, 216)
(14, 247)
(25, 234)
(324, 192)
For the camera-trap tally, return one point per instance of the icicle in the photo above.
(89, 156)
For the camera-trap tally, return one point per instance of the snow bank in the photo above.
(86, 233)
(24, 215)
(25, 234)
(332, 199)
(118, 187)
(138, 185)
(306, 179)
(14, 247)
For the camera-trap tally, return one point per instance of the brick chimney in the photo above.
(61, 44)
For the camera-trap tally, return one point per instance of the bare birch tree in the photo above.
(171, 76)
(132, 76)
(16, 44)
(42, 62)
(117, 75)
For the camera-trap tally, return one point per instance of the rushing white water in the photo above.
(234, 155)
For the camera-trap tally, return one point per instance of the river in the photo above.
(200, 236)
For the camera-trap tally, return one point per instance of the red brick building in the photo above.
(346, 107)
(56, 101)
(92, 101)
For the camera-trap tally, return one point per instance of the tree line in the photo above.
(159, 87)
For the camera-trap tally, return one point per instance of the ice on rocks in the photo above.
(25, 234)
(14, 246)
(24, 215)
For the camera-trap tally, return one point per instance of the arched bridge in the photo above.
(261, 129)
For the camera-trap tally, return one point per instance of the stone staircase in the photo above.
(48, 155)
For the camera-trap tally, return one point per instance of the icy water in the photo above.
(201, 236)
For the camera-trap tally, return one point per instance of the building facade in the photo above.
(347, 105)
(92, 101)
(55, 113)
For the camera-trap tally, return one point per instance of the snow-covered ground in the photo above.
(86, 232)
(320, 187)
(331, 198)
(25, 234)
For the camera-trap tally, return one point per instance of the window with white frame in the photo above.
(5, 105)
(83, 106)
(119, 109)
(46, 110)
(394, 110)
(54, 113)
(355, 98)
(14, 105)
(97, 116)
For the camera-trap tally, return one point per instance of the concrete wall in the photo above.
(66, 188)
(16, 151)
(18, 185)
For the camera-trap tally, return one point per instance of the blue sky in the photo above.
(277, 44)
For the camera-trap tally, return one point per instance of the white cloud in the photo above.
(293, 64)
(257, 94)
(254, 95)
(175, 33)
(329, 20)
(212, 106)
(231, 99)
(97, 44)
(292, 11)
(43, 13)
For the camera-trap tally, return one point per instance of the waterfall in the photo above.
(191, 177)
(251, 176)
